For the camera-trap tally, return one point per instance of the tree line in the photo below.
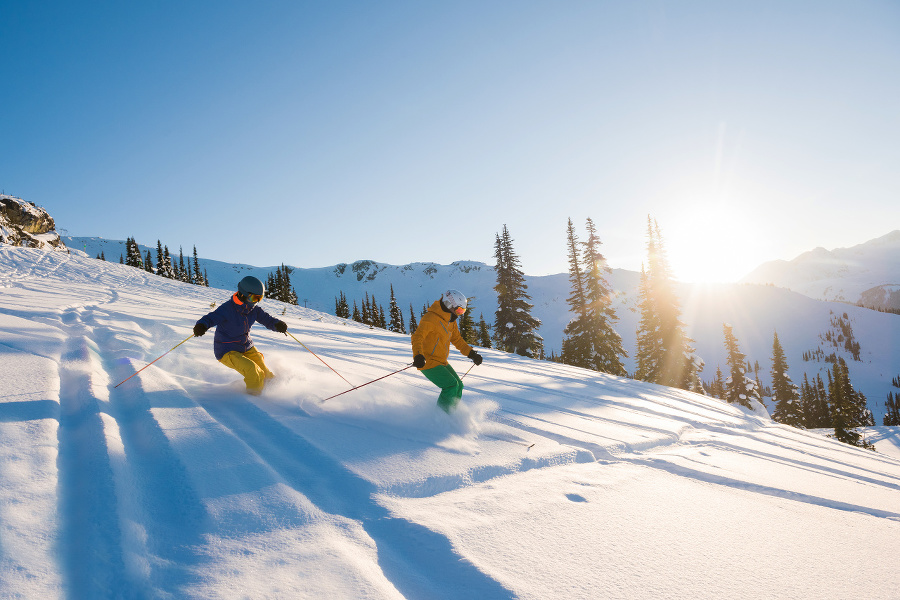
(369, 312)
(166, 265)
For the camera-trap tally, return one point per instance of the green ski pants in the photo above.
(451, 385)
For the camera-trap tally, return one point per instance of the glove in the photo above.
(476, 358)
(200, 329)
(281, 327)
(419, 361)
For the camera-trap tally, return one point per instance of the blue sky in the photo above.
(313, 133)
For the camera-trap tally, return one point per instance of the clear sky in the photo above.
(313, 133)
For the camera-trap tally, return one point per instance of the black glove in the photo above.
(476, 358)
(200, 329)
(281, 327)
(419, 361)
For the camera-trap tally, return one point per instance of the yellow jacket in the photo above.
(434, 335)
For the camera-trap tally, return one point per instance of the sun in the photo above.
(714, 242)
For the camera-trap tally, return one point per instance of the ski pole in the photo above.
(467, 372)
(368, 382)
(317, 356)
(173, 347)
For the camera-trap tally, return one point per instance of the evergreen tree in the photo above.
(484, 335)
(382, 321)
(467, 327)
(163, 261)
(356, 314)
(649, 343)
(148, 263)
(717, 387)
(605, 341)
(413, 324)
(515, 329)
(198, 277)
(788, 407)
(740, 388)
(342, 308)
(891, 410)
(182, 271)
(133, 254)
(848, 406)
(665, 353)
(121, 260)
(366, 311)
(396, 324)
(822, 407)
(577, 346)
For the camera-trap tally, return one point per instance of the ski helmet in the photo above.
(454, 301)
(251, 289)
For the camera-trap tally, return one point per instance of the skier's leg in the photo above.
(257, 357)
(254, 377)
(445, 377)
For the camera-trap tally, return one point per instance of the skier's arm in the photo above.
(457, 340)
(212, 319)
(418, 338)
(269, 321)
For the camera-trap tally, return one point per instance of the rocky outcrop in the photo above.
(25, 224)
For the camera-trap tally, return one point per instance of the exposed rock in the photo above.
(25, 224)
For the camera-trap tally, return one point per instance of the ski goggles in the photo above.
(254, 298)
(459, 310)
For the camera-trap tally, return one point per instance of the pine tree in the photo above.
(891, 410)
(182, 271)
(848, 406)
(740, 388)
(413, 324)
(121, 260)
(382, 321)
(148, 263)
(665, 353)
(356, 314)
(515, 329)
(199, 278)
(484, 335)
(649, 344)
(717, 387)
(467, 327)
(365, 311)
(577, 344)
(395, 324)
(133, 254)
(605, 341)
(788, 407)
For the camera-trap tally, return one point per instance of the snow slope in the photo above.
(755, 311)
(177, 485)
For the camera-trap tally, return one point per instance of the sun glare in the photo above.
(713, 243)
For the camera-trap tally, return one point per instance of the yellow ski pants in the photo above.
(250, 364)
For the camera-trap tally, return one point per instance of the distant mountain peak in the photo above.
(854, 274)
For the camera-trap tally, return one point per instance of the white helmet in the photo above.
(454, 301)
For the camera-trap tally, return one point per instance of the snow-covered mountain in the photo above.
(868, 273)
(755, 311)
(178, 485)
(26, 224)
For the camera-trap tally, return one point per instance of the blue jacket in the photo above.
(232, 321)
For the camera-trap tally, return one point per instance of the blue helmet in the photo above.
(251, 289)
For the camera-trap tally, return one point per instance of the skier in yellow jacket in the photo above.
(431, 346)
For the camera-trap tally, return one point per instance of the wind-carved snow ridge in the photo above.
(548, 481)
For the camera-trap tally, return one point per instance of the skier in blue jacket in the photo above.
(232, 344)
